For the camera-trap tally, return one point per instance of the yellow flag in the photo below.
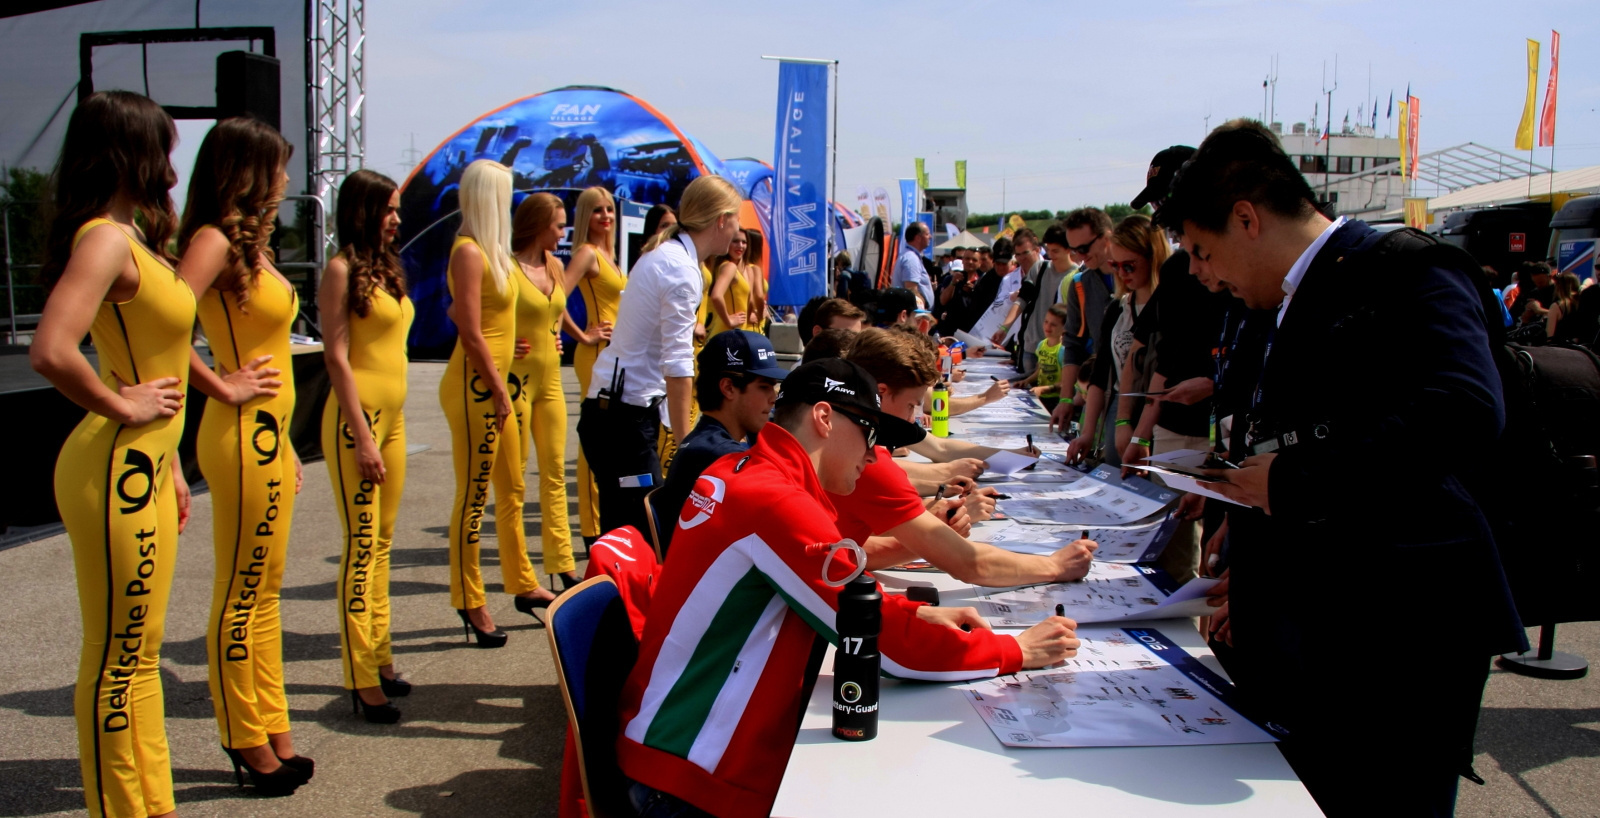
(961, 174)
(922, 174)
(1416, 213)
(1405, 141)
(1525, 128)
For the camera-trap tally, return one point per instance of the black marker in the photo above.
(1061, 610)
(1030, 442)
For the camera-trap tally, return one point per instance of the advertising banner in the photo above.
(1577, 257)
(800, 201)
(908, 205)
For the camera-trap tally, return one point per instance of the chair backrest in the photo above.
(655, 527)
(594, 651)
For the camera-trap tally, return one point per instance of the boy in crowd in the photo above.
(709, 712)
(1045, 382)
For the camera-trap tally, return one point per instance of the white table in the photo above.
(933, 756)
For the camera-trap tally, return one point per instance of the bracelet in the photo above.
(1142, 441)
(1125, 422)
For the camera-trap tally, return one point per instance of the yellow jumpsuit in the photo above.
(368, 510)
(738, 300)
(601, 293)
(115, 493)
(540, 408)
(482, 453)
(248, 462)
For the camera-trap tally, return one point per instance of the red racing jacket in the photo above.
(709, 713)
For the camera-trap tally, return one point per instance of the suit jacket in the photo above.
(1387, 377)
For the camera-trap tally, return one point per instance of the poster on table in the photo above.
(1127, 687)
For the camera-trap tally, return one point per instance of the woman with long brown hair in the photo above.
(246, 308)
(540, 407)
(730, 288)
(118, 484)
(365, 319)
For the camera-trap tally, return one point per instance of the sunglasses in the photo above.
(1126, 267)
(868, 428)
(1083, 250)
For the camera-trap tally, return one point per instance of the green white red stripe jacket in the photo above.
(710, 712)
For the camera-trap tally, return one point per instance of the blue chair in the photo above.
(594, 651)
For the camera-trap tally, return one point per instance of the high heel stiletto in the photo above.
(395, 687)
(528, 604)
(282, 781)
(301, 763)
(567, 582)
(385, 713)
(486, 639)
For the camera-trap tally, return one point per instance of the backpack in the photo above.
(1539, 486)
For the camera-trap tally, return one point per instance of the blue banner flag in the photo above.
(800, 189)
(908, 205)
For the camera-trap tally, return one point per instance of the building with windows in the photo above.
(1355, 169)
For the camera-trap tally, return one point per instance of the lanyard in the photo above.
(1222, 357)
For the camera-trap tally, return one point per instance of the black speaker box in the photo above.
(247, 84)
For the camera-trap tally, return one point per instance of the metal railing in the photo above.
(11, 268)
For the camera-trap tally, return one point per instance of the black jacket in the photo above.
(1373, 542)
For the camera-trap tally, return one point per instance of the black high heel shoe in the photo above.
(301, 763)
(528, 604)
(486, 639)
(567, 581)
(395, 687)
(282, 781)
(385, 713)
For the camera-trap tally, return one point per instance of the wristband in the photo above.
(1142, 441)
(1124, 422)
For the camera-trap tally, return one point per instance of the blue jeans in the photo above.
(649, 802)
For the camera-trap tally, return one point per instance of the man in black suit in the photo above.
(1367, 595)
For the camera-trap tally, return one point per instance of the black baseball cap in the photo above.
(1163, 167)
(740, 352)
(891, 302)
(849, 389)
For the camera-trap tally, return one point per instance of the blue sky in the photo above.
(1062, 103)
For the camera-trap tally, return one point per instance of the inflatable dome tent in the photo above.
(560, 141)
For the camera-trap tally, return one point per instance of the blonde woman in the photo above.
(651, 355)
(756, 274)
(483, 283)
(594, 276)
(731, 306)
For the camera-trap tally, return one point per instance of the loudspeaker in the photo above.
(247, 84)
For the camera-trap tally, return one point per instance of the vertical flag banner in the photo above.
(1405, 143)
(922, 174)
(1416, 213)
(1525, 127)
(1414, 127)
(799, 204)
(863, 202)
(908, 205)
(961, 166)
(880, 206)
(1547, 119)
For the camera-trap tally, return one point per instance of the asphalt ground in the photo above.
(482, 734)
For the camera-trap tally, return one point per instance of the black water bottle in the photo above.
(855, 663)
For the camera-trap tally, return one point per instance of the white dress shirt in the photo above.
(909, 273)
(1297, 271)
(653, 338)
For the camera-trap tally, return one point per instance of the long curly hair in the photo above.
(116, 142)
(363, 205)
(236, 187)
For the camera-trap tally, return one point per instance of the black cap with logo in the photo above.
(850, 390)
(1163, 167)
(891, 302)
(741, 352)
